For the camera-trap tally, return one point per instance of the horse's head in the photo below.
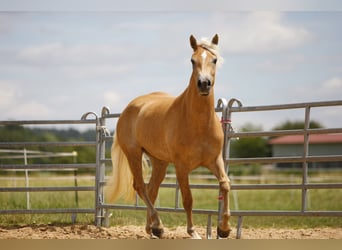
(204, 60)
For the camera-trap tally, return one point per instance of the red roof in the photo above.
(313, 139)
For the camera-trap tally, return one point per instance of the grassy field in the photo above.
(325, 200)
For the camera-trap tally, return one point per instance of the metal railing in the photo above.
(304, 186)
(226, 108)
(47, 167)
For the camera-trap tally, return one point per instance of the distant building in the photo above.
(319, 144)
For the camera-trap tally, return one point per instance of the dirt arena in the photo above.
(137, 232)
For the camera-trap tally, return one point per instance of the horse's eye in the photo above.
(192, 61)
(215, 61)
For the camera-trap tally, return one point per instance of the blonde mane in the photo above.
(213, 48)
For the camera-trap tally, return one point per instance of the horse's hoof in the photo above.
(153, 237)
(157, 232)
(223, 234)
(195, 236)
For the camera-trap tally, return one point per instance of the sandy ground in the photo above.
(137, 232)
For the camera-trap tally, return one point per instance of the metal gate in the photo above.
(226, 108)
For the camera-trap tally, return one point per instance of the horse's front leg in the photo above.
(223, 229)
(183, 182)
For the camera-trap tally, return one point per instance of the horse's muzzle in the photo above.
(204, 87)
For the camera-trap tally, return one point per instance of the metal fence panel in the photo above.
(11, 146)
(226, 108)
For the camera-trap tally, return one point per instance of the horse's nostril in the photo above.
(204, 84)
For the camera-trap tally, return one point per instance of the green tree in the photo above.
(250, 146)
(291, 125)
(15, 133)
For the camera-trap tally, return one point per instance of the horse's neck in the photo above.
(199, 109)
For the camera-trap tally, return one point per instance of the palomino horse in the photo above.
(184, 130)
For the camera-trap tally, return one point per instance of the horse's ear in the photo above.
(193, 42)
(215, 40)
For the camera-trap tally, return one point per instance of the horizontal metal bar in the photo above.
(195, 186)
(286, 186)
(117, 115)
(257, 186)
(261, 186)
(233, 213)
(324, 130)
(286, 106)
(47, 144)
(177, 210)
(287, 213)
(284, 132)
(48, 155)
(47, 122)
(114, 115)
(283, 159)
(161, 209)
(265, 107)
(106, 161)
(45, 189)
(322, 158)
(49, 211)
(49, 166)
(265, 133)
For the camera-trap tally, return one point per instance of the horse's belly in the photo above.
(152, 127)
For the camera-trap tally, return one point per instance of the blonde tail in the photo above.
(121, 182)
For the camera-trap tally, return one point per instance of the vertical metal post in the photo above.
(305, 155)
(74, 215)
(209, 236)
(27, 183)
(102, 166)
(177, 195)
(97, 175)
(97, 215)
(239, 227)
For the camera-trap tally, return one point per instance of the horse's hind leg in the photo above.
(135, 162)
(157, 176)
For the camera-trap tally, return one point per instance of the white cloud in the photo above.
(31, 110)
(9, 93)
(80, 62)
(281, 64)
(13, 103)
(261, 32)
(327, 90)
(94, 72)
(111, 99)
(331, 88)
(333, 84)
(60, 54)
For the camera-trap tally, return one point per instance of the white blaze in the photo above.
(204, 74)
(204, 55)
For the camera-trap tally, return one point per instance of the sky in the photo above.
(59, 64)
